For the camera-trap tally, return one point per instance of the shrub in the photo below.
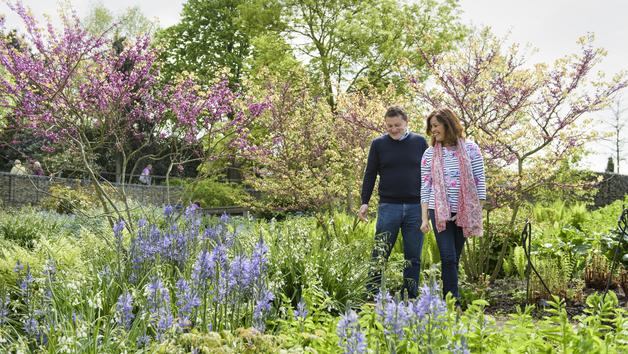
(21, 230)
(69, 199)
(329, 256)
(212, 193)
(25, 226)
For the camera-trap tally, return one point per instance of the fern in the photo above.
(519, 260)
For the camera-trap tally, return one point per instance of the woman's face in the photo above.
(396, 127)
(437, 129)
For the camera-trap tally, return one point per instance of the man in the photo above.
(396, 158)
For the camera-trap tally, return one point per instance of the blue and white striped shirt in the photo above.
(452, 175)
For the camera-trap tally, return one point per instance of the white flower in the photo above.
(95, 302)
(67, 344)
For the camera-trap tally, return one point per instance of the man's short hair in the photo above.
(396, 111)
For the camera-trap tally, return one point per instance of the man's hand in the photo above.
(425, 226)
(362, 212)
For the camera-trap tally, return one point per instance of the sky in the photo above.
(550, 26)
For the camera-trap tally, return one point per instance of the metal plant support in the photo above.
(526, 236)
(622, 236)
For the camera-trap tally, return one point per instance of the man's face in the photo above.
(396, 127)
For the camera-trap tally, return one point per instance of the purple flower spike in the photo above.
(301, 311)
(351, 338)
(124, 310)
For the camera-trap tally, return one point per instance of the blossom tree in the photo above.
(308, 157)
(526, 120)
(82, 93)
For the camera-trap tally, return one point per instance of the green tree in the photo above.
(130, 23)
(610, 165)
(353, 44)
(347, 45)
(208, 39)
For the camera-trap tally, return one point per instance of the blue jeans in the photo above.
(390, 219)
(450, 244)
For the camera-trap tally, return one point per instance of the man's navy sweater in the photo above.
(398, 163)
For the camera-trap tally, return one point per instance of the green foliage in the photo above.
(430, 254)
(556, 275)
(312, 331)
(272, 57)
(24, 227)
(370, 43)
(520, 261)
(209, 37)
(507, 267)
(475, 258)
(242, 340)
(130, 23)
(319, 261)
(559, 214)
(23, 230)
(610, 165)
(597, 273)
(558, 331)
(603, 228)
(310, 159)
(482, 336)
(521, 330)
(328, 257)
(65, 199)
(560, 245)
(212, 193)
(59, 237)
(484, 255)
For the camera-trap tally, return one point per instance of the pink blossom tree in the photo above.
(82, 93)
(527, 120)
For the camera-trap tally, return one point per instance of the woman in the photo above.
(452, 190)
(145, 175)
(37, 169)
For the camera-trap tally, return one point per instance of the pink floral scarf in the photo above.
(469, 216)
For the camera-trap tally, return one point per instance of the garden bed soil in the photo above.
(505, 295)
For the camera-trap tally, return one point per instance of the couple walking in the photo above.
(443, 183)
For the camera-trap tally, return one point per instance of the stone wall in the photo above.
(23, 190)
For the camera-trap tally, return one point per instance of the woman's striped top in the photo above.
(452, 174)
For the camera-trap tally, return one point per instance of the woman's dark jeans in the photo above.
(450, 244)
(390, 219)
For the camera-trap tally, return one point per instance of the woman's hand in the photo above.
(425, 226)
